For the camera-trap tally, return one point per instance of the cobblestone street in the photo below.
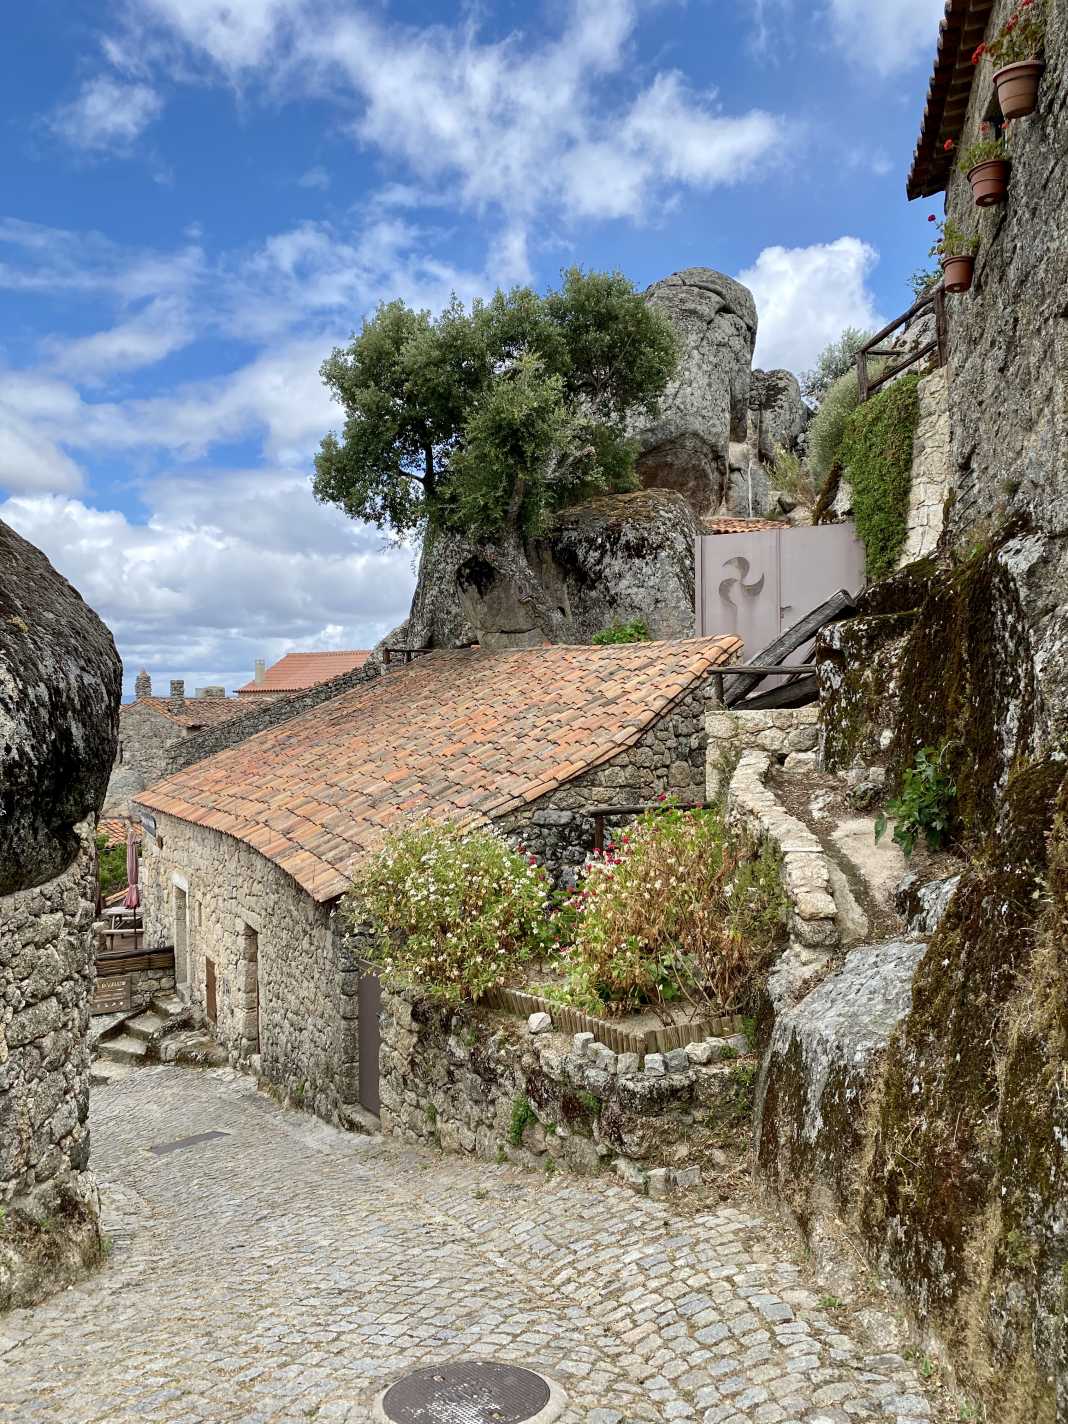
(285, 1271)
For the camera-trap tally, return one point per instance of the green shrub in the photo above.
(925, 805)
(676, 911)
(791, 476)
(836, 359)
(828, 427)
(877, 455)
(110, 866)
(522, 1117)
(449, 910)
(636, 631)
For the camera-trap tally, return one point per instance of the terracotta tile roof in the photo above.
(717, 524)
(462, 734)
(113, 829)
(962, 28)
(298, 671)
(197, 711)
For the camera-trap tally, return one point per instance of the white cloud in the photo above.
(806, 296)
(889, 35)
(231, 566)
(316, 177)
(108, 115)
(52, 260)
(158, 329)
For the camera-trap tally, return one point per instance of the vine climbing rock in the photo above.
(705, 408)
(60, 680)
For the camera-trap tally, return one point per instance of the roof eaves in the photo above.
(962, 28)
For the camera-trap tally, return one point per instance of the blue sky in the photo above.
(202, 197)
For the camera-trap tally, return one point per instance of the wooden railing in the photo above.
(869, 383)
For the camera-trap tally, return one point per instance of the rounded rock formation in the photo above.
(705, 408)
(60, 681)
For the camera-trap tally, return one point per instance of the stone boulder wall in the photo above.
(60, 681)
(469, 1081)
(777, 414)
(48, 1233)
(611, 559)
(706, 407)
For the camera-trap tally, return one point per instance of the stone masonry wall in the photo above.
(930, 469)
(469, 1081)
(146, 741)
(1008, 362)
(782, 733)
(277, 980)
(46, 974)
(668, 759)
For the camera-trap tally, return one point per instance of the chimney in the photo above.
(143, 686)
(211, 691)
(176, 701)
(261, 671)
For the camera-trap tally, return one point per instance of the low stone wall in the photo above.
(46, 976)
(470, 1081)
(783, 733)
(668, 759)
(930, 469)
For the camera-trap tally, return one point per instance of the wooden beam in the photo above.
(798, 693)
(838, 606)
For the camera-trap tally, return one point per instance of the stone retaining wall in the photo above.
(481, 1083)
(930, 469)
(782, 733)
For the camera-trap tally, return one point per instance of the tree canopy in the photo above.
(485, 421)
(834, 361)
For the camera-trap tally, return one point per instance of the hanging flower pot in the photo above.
(990, 182)
(957, 272)
(1017, 86)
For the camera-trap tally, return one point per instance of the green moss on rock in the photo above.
(876, 452)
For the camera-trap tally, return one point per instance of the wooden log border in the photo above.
(613, 1035)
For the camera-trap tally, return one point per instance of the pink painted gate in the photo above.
(758, 585)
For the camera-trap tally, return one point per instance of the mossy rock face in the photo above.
(966, 678)
(965, 1187)
(858, 675)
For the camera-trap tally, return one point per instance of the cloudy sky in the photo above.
(202, 197)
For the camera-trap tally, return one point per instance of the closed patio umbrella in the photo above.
(132, 899)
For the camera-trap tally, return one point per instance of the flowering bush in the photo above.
(674, 911)
(983, 150)
(953, 241)
(1020, 37)
(452, 911)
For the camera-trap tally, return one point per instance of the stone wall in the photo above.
(668, 759)
(278, 988)
(273, 713)
(46, 975)
(146, 742)
(480, 1083)
(930, 469)
(1008, 363)
(784, 733)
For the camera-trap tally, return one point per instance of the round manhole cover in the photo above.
(468, 1392)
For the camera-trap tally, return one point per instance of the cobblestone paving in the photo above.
(288, 1272)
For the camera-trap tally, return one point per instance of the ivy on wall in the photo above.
(877, 454)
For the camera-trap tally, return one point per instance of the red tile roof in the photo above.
(468, 735)
(724, 524)
(113, 829)
(196, 711)
(962, 29)
(298, 671)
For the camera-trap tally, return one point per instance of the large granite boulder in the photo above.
(611, 559)
(777, 414)
(60, 683)
(687, 447)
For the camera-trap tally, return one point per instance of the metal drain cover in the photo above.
(467, 1392)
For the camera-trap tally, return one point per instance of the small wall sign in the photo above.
(148, 821)
(111, 994)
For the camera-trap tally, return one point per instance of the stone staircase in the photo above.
(136, 1040)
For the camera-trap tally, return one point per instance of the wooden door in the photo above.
(210, 1006)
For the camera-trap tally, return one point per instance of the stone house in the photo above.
(150, 726)
(247, 852)
(297, 672)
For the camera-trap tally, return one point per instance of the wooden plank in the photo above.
(911, 360)
(798, 693)
(838, 606)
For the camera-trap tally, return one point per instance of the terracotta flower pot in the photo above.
(957, 272)
(1017, 86)
(989, 182)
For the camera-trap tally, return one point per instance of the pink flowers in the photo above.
(931, 218)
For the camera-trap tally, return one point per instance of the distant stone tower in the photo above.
(143, 686)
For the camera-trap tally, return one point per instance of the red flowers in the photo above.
(948, 146)
(931, 218)
(1011, 24)
(978, 53)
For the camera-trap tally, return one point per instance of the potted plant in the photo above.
(1014, 53)
(986, 163)
(955, 251)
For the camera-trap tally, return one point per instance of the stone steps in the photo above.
(145, 1026)
(123, 1049)
(168, 1006)
(104, 1072)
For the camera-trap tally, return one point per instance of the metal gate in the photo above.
(758, 585)
(368, 1008)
